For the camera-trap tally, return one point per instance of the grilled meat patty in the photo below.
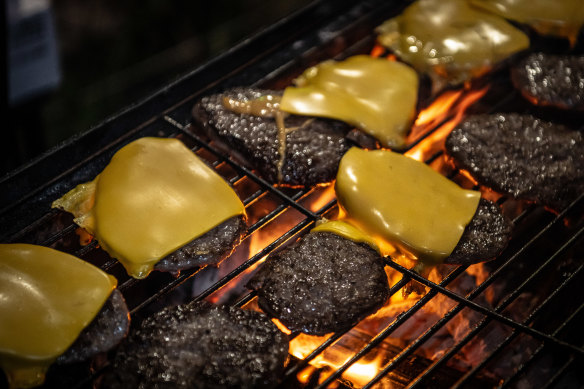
(484, 237)
(555, 80)
(322, 283)
(200, 346)
(522, 156)
(106, 330)
(208, 249)
(313, 147)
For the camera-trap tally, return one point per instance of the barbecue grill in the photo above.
(517, 324)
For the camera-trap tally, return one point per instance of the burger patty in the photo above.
(322, 283)
(313, 147)
(106, 330)
(201, 346)
(522, 156)
(484, 238)
(555, 80)
(208, 249)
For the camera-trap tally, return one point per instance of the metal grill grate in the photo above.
(544, 259)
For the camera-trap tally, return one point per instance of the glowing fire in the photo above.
(437, 111)
(379, 50)
(445, 106)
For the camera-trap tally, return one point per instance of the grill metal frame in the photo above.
(328, 29)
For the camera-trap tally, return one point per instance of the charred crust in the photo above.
(551, 80)
(322, 283)
(521, 156)
(484, 238)
(201, 346)
(108, 329)
(208, 249)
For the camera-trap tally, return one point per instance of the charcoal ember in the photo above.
(322, 283)
(484, 238)
(208, 249)
(200, 346)
(313, 149)
(554, 80)
(106, 330)
(521, 156)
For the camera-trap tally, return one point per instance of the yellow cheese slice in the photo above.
(154, 197)
(346, 230)
(548, 17)
(46, 299)
(450, 40)
(404, 202)
(376, 95)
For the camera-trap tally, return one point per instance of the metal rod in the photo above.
(534, 356)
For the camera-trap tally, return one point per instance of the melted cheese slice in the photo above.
(46, 299)
(154, 197)
(404, 202)
(376, 95)
(548, 17)
(450, 40)
(346, 230)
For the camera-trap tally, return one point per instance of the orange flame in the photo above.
(440, 108)
(377, 50)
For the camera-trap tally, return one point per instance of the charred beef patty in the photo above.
(484, 237)
(314, 147)
(201, 346)
(522, 156)
(322, 283)
(208, 249)
(555, 80)
(106, 330)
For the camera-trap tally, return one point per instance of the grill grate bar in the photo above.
(559, 373)
(537, 352)
(184, 276)
(87, 248)
(506, 302)
(35, 224)
(245, 299)
(58, 236)
(253, 197)
(279, 209)
(485, 311)
(393, 326)
(75, 167)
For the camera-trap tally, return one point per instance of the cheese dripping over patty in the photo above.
(154, 197)
(46, 299)
(403, 203)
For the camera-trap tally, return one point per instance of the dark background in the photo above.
(113, 53)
